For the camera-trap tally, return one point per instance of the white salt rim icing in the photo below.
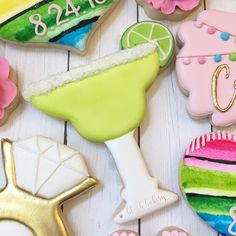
(95, 67)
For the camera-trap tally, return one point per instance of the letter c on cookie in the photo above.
(215, 89)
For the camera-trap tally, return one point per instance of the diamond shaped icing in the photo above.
(64, 23)
(46, 168)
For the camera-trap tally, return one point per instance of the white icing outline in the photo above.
(93, 68)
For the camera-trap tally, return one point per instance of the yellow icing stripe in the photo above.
(9, 8)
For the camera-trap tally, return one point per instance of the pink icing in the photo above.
(174, 233)
(123, 234)
(209, 165)
(211, 30)
(214, 146)
(169, 6)
(196, 77)
(8, 90)
(201, 60)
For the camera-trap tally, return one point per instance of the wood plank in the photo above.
(165, 133)
(92, 213)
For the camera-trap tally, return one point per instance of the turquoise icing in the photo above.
(77, 38)
(218, 222)
(217, 58)
(224, 36)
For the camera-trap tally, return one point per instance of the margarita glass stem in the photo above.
(131, 166)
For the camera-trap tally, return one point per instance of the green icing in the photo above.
(232, 56)
(147, 31)
(106, 105)
(211, 204)
(193, 177)
(20, 29)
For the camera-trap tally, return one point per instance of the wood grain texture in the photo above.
(164, 134)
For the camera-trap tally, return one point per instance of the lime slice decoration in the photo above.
(148, 31)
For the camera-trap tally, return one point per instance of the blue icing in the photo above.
(218, 222)
(77, 38)
(224, 36)
(217, 58)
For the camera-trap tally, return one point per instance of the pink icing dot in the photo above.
(211, 30)
(186, 61)
(199, 24)
(201, 60)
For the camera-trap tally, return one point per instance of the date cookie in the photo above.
(58, 23)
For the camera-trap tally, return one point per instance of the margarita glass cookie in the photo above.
(172, 231)
(41, 175)
(105, 102)
(168, 9)
(149, 31)
(9, 98)
(206, 66)
(59, 23)
(208, 180)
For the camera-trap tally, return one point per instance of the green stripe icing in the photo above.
(232, 56)
(21, 29)
(211, 204)
(192, 177)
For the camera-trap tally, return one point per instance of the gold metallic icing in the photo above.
(215, 86)
(42, 216)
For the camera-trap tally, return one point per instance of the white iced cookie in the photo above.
(41, 175)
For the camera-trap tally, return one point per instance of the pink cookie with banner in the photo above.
(206, 66)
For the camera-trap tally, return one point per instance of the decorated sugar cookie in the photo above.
(56, 23)
(125, 233)
(105, 101)
(168, 9)
(150, 31)
(40, 175)
(205, 66)
(208, 180)
(9, 95)
(172, 231)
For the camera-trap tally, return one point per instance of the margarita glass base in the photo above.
(141, 193)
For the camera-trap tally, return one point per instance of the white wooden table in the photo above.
(164, 134)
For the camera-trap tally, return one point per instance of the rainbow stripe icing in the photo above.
(208, 180)
(59, 22)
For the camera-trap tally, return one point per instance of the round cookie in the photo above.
(40, 175)
(172, 231)
(149, 31)
(205, 66)
(106, 101)
(10, 97)
(208, 180)
(59, 23)
(168, 9)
